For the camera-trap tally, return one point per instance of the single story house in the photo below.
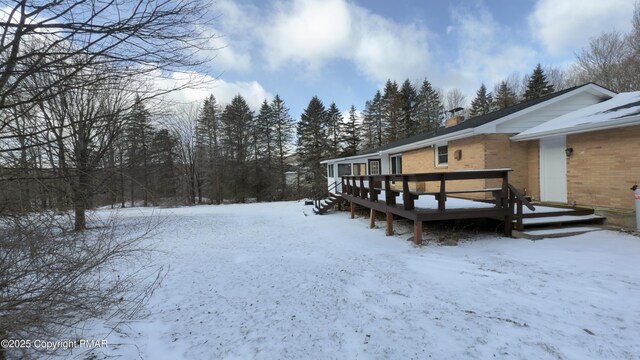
(530, 139)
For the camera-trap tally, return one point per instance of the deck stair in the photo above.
(552, 221)
(324, 205)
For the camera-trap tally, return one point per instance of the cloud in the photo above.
(315, 32)
(488, 52)
(563, 27)
(252, 91)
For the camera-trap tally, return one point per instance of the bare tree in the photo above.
(154, 38)
(603, 61)
(183, 127)
(454, 98)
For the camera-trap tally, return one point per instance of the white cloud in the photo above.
(487, 51)
(224, 91)
(563, 27)
(314, 32)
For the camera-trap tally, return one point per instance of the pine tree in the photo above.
(263, 146)
(334, 130)
(429, 107)
(373, 125)
(163, 161)
(391, 112)
(312, 143)
(482, 103)
(351, 134)
(208, 149)
(537, 85)
(236, 125)
(282, 136)
(505, 97)
(139, 134)
(408, 97)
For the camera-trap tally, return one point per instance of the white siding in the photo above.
(539, 116)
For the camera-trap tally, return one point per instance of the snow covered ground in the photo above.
(274, 281)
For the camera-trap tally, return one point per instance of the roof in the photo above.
(621, 110)
(471, 123)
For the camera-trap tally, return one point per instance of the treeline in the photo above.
(205, 154)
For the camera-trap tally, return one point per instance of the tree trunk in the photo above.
(80, 200)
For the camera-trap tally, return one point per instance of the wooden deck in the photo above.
(376, 193)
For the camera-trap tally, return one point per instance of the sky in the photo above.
(344, 50)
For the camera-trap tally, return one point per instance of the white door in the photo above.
(553, 169)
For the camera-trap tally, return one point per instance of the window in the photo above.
(344, 169)
(360, 169)
(442, 155)
(330, 170)
(396, 164)
(374, 167)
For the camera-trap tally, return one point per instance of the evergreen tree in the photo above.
(408, 98)
(263, 145)
(482, 103)
(282, 136)
(373, 125)
(391, 112)
(505, 97)
(312, 143)
(334, 130)
(428, 108)
(537, 85)
(208, 148)
(163, 162)
(139, 134)
(236, 125)
(351, 134)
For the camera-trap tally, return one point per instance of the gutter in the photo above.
(580, 129)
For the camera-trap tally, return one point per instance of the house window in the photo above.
(344, 169)
(442, 155)
(374, 167)
(360, 169)
(396, 164)
(330, 170)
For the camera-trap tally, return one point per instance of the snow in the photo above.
(622, 107)
(273, 281)
(563, 230)
(560, 219)
(430, 202)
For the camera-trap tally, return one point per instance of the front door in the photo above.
(553, 169)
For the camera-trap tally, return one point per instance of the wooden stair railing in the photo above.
(518, 200)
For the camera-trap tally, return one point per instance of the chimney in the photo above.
(455, 120)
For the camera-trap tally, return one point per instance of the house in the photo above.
(524, 138)
(591, 157)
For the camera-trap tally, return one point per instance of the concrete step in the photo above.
(553, 232)
(564, 219)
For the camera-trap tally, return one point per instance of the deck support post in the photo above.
(389, 224)
(417, 232)
(372, 219)
(352, 209)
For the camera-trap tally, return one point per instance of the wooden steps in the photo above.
(325, 205)
(548, 222)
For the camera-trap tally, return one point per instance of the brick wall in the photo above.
(533, 169)
(503, 153)
(603, 166)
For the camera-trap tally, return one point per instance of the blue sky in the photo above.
(344, 50)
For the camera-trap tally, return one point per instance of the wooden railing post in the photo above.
(373, 193)
(389, 198)
(363, 190)
(442, 196)
(407, 198)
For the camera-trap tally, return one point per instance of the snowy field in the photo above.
(274, 281)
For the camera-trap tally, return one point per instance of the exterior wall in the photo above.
(603, 166)
(533, 169)
(473, 158)
(500, 152)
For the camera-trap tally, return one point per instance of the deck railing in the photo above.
(365, 190)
